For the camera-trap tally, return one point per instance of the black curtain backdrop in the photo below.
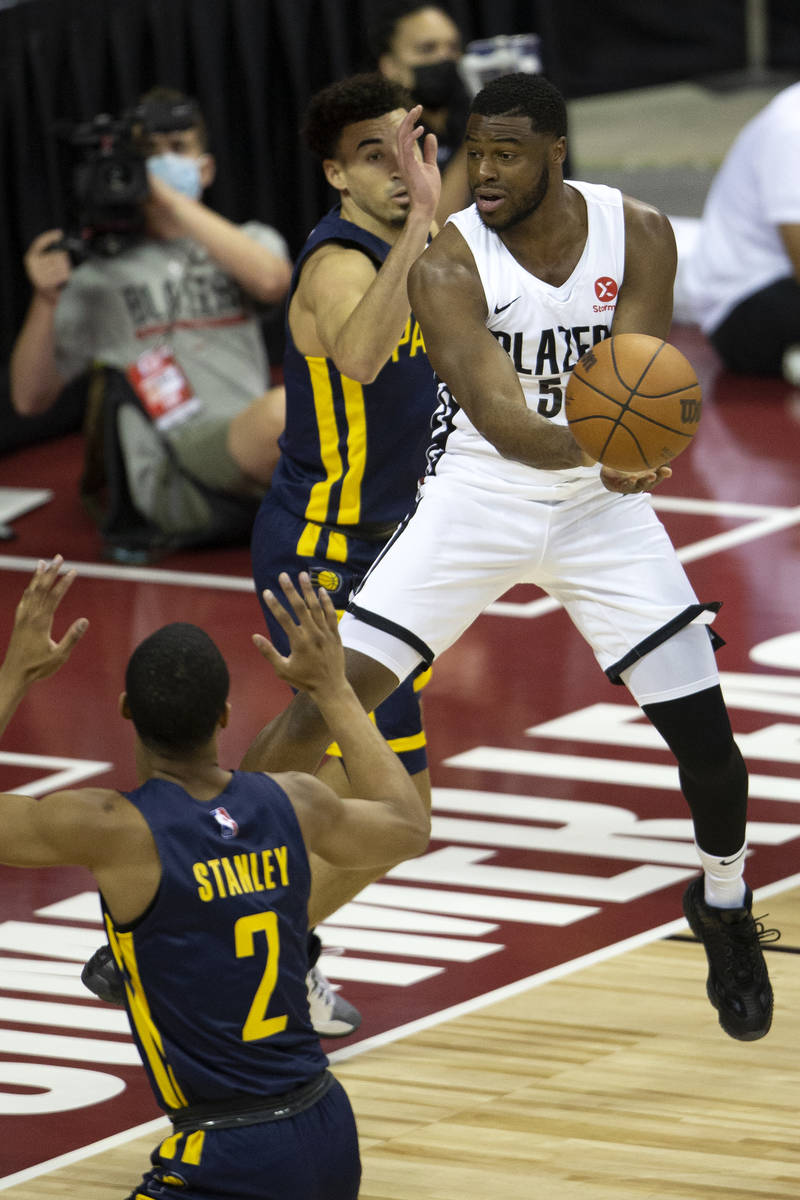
(253, 64)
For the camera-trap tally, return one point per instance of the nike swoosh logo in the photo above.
(498, 308)
(727, 862)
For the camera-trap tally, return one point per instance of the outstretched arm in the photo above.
(32, 652)
(385, 820)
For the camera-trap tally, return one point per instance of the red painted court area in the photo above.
(559, 830)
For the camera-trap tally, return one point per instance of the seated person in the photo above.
(174, 307)
(742, 274)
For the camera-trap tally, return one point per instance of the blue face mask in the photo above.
(179, 171)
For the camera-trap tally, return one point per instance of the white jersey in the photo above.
(739, 250)
(545, 330)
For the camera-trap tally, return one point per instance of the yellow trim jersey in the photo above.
(352, 453)
(215, 968)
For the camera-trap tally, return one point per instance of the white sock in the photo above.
(724, 878)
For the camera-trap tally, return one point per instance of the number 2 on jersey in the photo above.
(258, 1025)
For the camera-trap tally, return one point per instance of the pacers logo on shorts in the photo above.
(326, 579)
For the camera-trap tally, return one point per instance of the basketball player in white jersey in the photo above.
(509, 295)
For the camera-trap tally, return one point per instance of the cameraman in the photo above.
(186, 285)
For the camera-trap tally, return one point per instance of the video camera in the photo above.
(104, 175)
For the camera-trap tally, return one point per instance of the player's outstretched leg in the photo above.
(718, 905)
(738, 984)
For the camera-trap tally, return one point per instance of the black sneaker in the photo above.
(102, 977)
(738, 984)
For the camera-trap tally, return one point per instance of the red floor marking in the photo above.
(504, 676)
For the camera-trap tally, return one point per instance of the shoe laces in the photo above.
(320, 984)
(743, 946)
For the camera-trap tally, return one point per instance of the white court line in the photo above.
(403, 1031)
(229, 583)
(779, 518)
(713, 508)
(774, 520)
(770, 520)
(736, 537)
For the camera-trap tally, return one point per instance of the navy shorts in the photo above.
(338, 562)
(313, 1155)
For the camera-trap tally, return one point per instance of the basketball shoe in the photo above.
(738, 984)
(102, 977)
(331, 1015)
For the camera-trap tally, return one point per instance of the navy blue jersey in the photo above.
(352, 453)
(215, 969)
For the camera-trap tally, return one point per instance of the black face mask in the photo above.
(438, 84)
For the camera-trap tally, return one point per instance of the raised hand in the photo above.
(48, 270)
(418, 166)
(32, 652)
(315, 662)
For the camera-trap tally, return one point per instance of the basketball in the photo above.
(633, 402)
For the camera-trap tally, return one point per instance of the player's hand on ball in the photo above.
(628, 484)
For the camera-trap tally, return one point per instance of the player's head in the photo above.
(170, 124)
(516, 142)
(176, 689)
(349, 102)
(418, 45)
(352, 126)
(524, 95)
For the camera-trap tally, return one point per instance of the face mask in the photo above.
(437, 84)
(179, 171)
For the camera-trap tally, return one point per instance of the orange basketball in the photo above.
(633, 402)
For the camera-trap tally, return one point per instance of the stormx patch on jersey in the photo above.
(228, 827)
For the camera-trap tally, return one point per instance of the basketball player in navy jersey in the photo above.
(509, 295)
(204, 880)
(360, 392)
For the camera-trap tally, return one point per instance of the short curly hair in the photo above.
(358, 98)
(176, 684)
(524, 95)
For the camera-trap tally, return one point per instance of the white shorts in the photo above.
(606, 558)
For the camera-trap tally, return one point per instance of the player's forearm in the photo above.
(262, 274)
(525, 437)
(12, 691)
(486, 387)
(35, 382)
(371, 333)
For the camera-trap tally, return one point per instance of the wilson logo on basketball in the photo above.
(605, 289)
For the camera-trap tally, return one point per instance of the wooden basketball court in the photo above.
(535, 1018)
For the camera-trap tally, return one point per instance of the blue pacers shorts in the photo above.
(313, 1155)
(337, 561)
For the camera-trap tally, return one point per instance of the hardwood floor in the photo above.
(612, 1083)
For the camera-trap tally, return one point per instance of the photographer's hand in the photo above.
(261, 272)
(35, 380)
(48, 270)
